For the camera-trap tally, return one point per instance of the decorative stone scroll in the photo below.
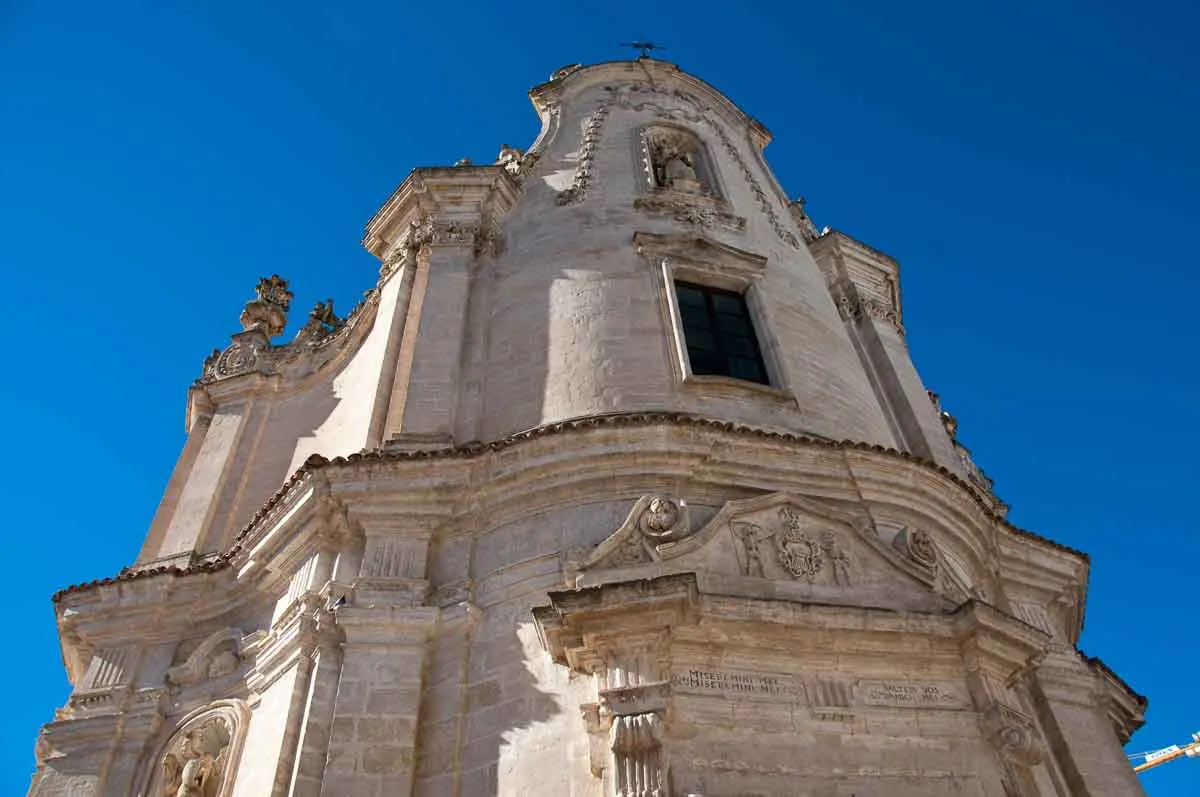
(654, 520)
(220, 654)
(1014, 735)
(264, 318)
(917, 545)
(699, 211)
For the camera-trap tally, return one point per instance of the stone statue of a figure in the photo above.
(195, 766)
(680, 173)
(674, 158)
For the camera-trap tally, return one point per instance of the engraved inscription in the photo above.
(883, 693)
(735, 683)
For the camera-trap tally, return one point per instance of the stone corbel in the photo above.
(999, 651)
(579, 625)
(620, 634)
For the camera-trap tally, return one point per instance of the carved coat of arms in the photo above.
(803, 553)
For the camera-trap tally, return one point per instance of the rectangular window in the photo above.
(719, 335)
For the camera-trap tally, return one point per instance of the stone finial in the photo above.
(510, 158)
(322, 321)
(948, 420)
(267, 312)
(808, 229)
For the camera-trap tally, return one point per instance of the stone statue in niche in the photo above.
(674, 160)
(194, 765)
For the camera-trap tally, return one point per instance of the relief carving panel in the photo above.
(199, 758)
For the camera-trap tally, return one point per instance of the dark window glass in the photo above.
(719, 334)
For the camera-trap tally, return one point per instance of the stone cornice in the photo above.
(445, 195)
(469, 452)
(576, 78)
(1125, 707)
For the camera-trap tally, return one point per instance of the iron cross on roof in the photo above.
(645, 46)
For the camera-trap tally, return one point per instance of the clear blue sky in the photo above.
(1033, 165)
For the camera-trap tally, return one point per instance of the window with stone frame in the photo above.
(719, 333)
(676, 160)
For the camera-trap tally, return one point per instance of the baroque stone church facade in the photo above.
(620, 481)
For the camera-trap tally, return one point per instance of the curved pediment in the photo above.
(775, 547)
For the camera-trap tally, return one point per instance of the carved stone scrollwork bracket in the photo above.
(1014, 735)
(653, 521)
(918, 545)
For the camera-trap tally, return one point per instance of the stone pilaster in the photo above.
(372, 748)
(1071, 704)
(997, 650)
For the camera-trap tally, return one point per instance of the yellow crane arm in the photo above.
(1169, 754)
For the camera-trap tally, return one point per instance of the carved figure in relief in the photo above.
(321, 322)
(837, 559)
(196, 766)
(749, 536)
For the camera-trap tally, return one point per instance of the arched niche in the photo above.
(675, 159)
(200, 757)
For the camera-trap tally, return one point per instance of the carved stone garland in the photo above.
(587, 155)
